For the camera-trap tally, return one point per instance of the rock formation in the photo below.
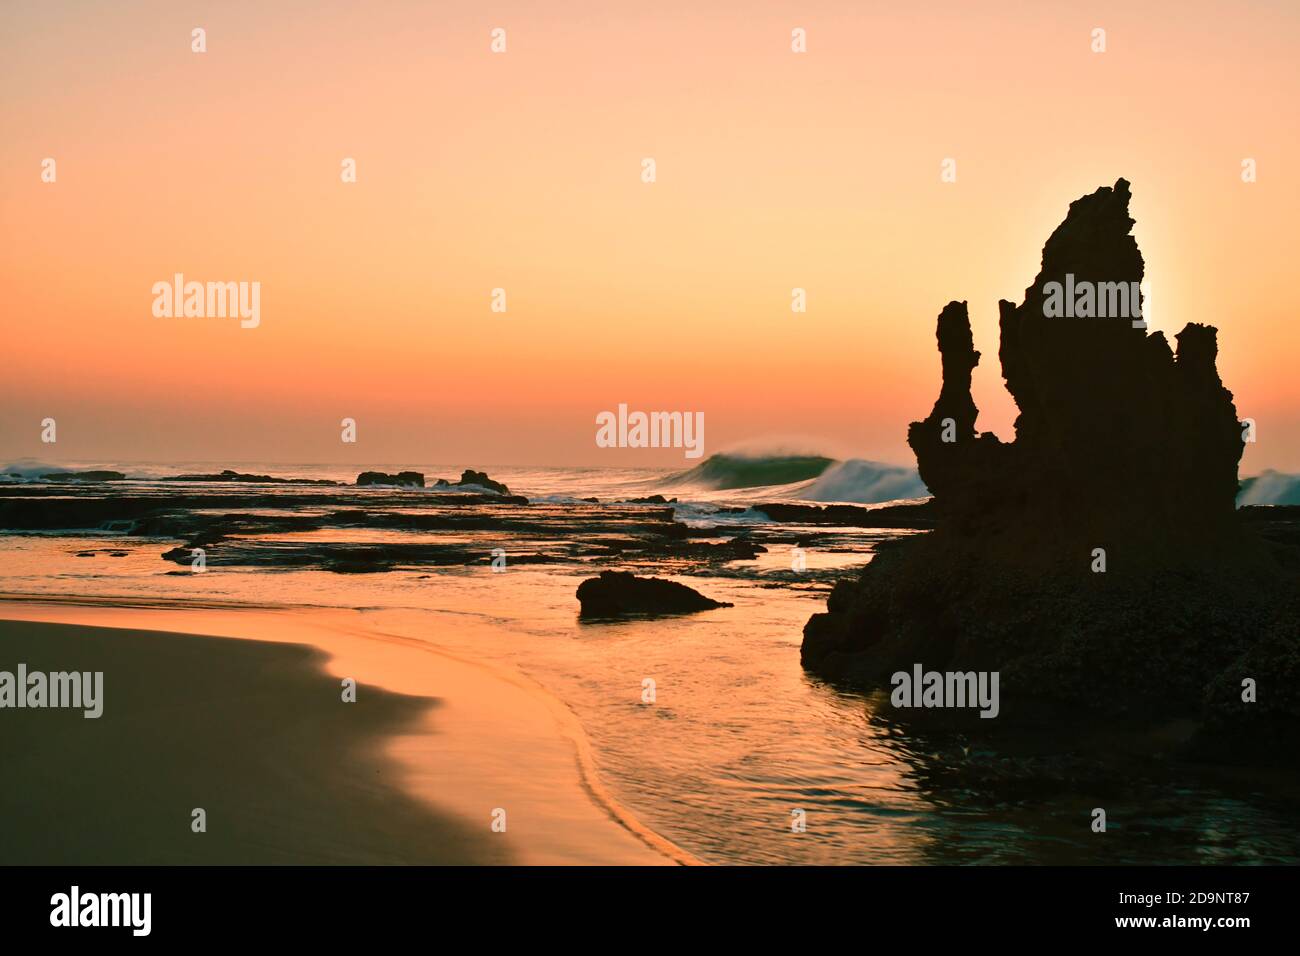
(410, 479)
(1097, 558)
(1117, 435)
(478, 479)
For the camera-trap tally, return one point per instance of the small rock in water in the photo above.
(617, 593)
(481, 479)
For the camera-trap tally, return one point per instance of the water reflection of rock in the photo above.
(1027, 793)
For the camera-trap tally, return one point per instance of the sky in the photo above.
(523, 171)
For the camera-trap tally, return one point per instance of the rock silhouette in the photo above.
(478, 479)
(1117, 436)
(239, 477)
(618, 593)
(408, 479)
(1098, 558)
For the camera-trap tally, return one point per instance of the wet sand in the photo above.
(250, 725)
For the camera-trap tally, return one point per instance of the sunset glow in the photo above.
(522, 172)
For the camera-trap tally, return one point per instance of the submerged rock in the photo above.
(1097, 560)
(616, 593)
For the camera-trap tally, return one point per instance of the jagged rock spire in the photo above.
(1109, 419)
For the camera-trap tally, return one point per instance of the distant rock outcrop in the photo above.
(238, 477)
(479, 479)
(617, 593)
(1097, 559)
(60, 476)
(411, 479)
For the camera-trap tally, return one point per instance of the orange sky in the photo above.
(522, 171)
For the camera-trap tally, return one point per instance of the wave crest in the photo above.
(723, 471)
(1270, 488)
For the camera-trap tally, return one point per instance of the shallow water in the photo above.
(738, 739)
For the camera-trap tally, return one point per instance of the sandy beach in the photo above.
(240, 713)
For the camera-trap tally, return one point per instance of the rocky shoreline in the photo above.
(385, 526)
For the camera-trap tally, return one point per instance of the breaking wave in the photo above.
(724, 471)
(804, 477)
(1269, 488)
(866, 482)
